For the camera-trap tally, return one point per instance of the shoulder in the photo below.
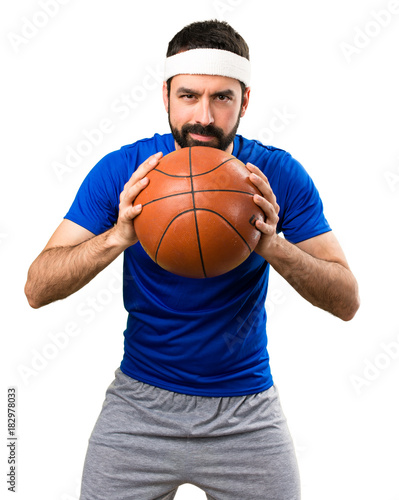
(121, 163)
(253, 151)
(137, 152)
(276, 163)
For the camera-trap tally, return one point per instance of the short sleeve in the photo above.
(96, 204)
(302, 215)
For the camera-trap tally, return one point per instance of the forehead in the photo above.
(205, 83)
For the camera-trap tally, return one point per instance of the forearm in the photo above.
(62, 270)
(325, 284)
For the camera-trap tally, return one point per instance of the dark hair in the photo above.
(208, 35)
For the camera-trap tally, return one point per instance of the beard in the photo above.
(220, 139)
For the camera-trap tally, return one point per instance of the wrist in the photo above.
(115, 241)
(272, 249)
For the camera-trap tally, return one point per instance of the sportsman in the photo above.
(193, 400)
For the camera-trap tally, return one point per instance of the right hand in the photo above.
(124, 228)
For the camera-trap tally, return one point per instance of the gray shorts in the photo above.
(147, 441)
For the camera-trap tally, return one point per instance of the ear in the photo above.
(165, 96)
(245, 101)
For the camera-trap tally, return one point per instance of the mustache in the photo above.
(199, 129)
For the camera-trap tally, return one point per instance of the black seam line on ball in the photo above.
(199, 210)
(199, 191)
(193, 175)
(224, 191)
(166, 230)
(215, 168)
(165, 197)
(228, 222)
(195, 212)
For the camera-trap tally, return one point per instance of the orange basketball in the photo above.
(198, 216)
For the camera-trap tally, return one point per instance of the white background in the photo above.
(338, 381)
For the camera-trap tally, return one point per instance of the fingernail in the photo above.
(156, 157)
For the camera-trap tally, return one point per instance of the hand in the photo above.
(124, 228)
(268, 204)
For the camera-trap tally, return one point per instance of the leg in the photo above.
(233, 471)
(127, 472)
(255, 464)
(126, 459)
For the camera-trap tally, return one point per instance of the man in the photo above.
(194, 399)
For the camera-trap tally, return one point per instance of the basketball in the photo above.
(198, 216)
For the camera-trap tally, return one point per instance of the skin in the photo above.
(207, 101)
(316, 268)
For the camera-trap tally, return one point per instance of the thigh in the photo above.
(137, 469)
(257, 465)
(126, 459)
(237, 470)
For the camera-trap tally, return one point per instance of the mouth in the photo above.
(202, 138)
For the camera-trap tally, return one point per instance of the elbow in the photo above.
(352, 303)
(33, 304)
(349, 315)
(32, 289)
(32, 297)
(350, 311)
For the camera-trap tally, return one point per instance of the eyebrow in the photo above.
(186, 90)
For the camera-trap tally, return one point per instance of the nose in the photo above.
(204, 114)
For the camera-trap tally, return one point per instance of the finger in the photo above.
(129, 194)
(268, 208)
(264, 187)
(253, 169)
(133, 211)
(144, 169)
(138, 180)
(264, 228)
(259, 179)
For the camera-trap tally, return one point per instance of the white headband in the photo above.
(208, 62)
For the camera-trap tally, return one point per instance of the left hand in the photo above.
(268, 203)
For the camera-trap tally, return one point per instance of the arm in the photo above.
(316, 268)
(74, 256)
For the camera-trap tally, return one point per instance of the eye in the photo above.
(223, 98)
(187, 97)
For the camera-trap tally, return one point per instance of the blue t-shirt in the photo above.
(198, 336)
